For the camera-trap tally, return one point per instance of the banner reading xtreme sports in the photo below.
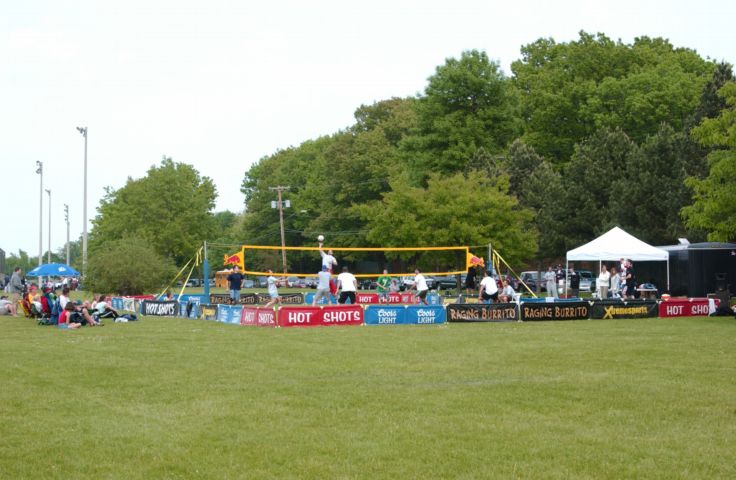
(608, 309)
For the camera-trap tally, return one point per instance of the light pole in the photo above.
(39, 170)
(281, 205)
(83, 131)
(49, 253)
(66, 218)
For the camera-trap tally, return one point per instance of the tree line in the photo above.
(583, 135)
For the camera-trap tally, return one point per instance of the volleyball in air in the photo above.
(320, 238)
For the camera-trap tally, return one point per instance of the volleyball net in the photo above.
(363, 262)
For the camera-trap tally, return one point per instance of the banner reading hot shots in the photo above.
(259, 317)
(315, 316)
(691, 307)
(551, 311)
(478, 312)
(608, 310)
(160, 309)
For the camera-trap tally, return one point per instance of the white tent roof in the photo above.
(616, 244)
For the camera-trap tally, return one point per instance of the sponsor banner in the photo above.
(257, 298)
(608, 309)
(309, 298)
(385, 315)
(482, 312)
(208, 312)
(407, 298)
(224, 298)
(130, 304)
(229, 313)
(366, 297)
(433, 298)
(320, 316)
(259, 317)
(286, 299)
(692, 307)
(116, 303)
(161, 309)
(554, 310)
(425, 314)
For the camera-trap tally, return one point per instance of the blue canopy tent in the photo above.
(53, 270)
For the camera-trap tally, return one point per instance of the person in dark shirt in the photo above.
(235, 280)
(631, 290)
(574, 282)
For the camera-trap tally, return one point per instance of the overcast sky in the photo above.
(220, 84)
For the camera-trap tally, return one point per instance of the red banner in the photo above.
(316, 316)
(366, 298)
(693, 307)
(393, 298)
(259, 317)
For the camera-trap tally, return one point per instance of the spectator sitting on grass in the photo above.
(78, 316)
(104, 310)
(7, 307)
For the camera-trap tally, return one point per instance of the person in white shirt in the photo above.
(64, 297)
(348, 285)
(603, 279)
(420, 283)
(507, 293)
(328, 260)
(615, 283)
(273, 290)
(323, 286)
(551, 278)
(489, 289)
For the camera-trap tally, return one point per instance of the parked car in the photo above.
(448, 282)
(587, 281)
(368, 284)
(262, 282)
(194, 282)
(406, 283)
(531, 278)
(248, 283)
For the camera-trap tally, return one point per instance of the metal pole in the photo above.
(49, 252)
(66, 217)
(283, 238)
(39, 170)
(206, 273)
(84, 211)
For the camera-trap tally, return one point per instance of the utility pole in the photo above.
(48, 190)
(280, 206)
(83, 131)
(39, 170)
(66, 217)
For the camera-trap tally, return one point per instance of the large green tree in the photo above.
(570, 90)
(170, 208)
(451, 210)
(714, 208)
(468, 104)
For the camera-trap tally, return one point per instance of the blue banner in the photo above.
(385, 315)
(229, 313)
(309, 298)
(425, 314)
(433, 298)
(116, 303)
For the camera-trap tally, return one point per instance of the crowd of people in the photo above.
(51, 302)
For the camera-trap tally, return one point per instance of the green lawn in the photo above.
(179, 398)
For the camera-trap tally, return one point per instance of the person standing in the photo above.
(615, 283)
(273, 290)
(15, 286)
(488, 292)
(551, 279)
(323, 286)
(603, 280)
(631, 290)
(574, 282)
(420, 284)
(235, 282)
(348, 285)
(383, 283)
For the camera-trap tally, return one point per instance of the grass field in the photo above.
(175, 398)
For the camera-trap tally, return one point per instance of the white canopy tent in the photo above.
(616, 244)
